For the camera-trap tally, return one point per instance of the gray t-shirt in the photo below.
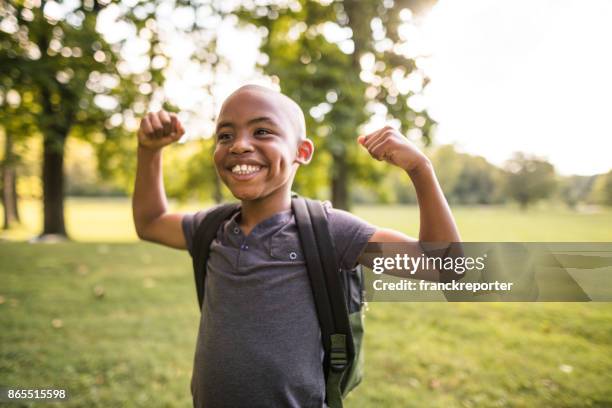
(259, 342)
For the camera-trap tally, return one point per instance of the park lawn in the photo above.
(110, 220)
(131, 347)
(134, 345)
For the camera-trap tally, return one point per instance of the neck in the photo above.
(254, 211)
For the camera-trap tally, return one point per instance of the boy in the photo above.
(259, 339)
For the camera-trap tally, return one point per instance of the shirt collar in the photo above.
(279, 219)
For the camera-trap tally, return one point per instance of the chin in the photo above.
(243, 194)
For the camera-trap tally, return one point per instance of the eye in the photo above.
(262, 132)
(221, 137)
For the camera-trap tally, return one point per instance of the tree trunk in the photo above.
(217, 194)
(340, 183)
(15, 196)
(53, 183)
(9, 181)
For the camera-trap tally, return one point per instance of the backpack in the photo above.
(338, 293)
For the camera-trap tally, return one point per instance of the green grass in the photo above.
(110, 220)
(134, 345)
(505, 223)
(131, 347)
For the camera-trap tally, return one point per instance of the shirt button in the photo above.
(292, 256)
(236, 230)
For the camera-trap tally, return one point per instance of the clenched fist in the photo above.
(159, 129)
(391, 146)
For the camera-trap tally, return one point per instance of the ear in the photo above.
(305, 149)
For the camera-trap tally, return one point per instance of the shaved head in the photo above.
(289, 106)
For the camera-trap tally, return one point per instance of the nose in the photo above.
(241, 144)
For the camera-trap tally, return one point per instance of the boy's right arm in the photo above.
(149, 203)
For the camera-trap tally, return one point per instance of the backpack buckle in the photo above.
(338, 356)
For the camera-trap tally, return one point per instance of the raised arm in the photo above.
(149, 204)
(436, 220)
(437, 224)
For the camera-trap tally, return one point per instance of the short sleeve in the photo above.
(350, 234)
(190, 224)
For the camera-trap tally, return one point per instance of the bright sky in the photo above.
(506, 76)
(529, 75)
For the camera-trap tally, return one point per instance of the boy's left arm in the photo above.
(437, 224)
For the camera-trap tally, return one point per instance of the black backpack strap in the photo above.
(342, 350)
(203, 237)
(316, 275)
(323, 270)
(327, 250)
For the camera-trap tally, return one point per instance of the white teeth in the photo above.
(245, 169)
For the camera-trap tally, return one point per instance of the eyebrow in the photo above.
(250, 122)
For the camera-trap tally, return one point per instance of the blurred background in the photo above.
(509, 99)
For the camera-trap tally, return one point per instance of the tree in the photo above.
(53, 56)
(448, 165)
(16, 125)
(602, 189)
(576, 189)
(529, 179)
(8, 184)
(341, 61)
(48, 61)
(477, 182)
(466, 179)
(8, 167)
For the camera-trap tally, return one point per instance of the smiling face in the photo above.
(259, 143)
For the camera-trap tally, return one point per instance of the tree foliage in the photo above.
(575, 189)
(467, 179)
(602, 189)
(529, 179)
(64, 77)
(341, 61)
(61, 74)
